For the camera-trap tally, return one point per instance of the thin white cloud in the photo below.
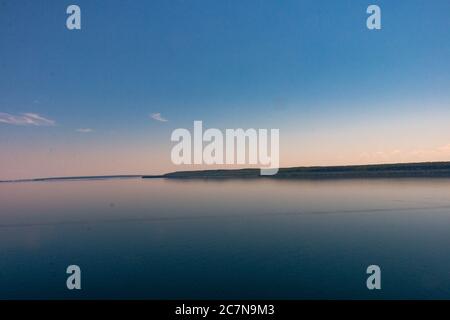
(84, 130)
(25, 119)
(158, 117)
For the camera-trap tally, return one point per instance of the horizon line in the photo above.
(168, 174)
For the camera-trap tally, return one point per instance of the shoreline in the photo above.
(374, 171)
(398, 170)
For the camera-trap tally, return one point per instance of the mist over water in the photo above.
(277, 239)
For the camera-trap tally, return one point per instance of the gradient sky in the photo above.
(80, 102)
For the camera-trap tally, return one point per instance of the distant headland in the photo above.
(397, 170)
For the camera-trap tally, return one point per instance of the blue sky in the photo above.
(301, 66)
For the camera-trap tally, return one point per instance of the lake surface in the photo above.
(176, 239)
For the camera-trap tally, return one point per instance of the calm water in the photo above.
(225, 239)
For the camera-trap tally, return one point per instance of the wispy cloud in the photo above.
(25, 119)
(84, 130)
(158, 117)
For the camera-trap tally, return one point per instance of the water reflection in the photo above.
(225, 239)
